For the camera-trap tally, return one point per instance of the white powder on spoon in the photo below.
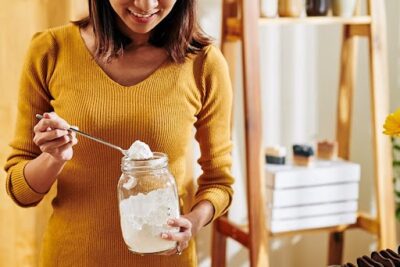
(139, 151)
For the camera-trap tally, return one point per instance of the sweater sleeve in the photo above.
(214, 134)
(34, 97)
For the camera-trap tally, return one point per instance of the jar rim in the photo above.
(159, 160)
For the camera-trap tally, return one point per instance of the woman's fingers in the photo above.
(180, 236)
(53, 136)
(41, 138)
(73, 135)
(46, 123)
(55, 144)
(51, 120)
(185, 233)
(177, 250)
(180, 222)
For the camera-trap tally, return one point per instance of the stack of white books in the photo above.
(324, 194)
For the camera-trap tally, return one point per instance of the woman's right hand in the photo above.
(53, 137)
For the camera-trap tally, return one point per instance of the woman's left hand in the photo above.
(183, 236)
(189, 225)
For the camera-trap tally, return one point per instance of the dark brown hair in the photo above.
(179, 32)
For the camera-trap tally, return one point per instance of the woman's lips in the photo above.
(142, 18)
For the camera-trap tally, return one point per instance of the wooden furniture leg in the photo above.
(380, 109)
(218, 246)
(343, 130)
(258, 237)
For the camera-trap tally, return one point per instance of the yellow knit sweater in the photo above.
(60, 74)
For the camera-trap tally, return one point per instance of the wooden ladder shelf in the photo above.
(240, 23)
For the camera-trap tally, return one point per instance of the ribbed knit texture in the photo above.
(60, 74)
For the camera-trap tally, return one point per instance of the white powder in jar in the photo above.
(144, 218)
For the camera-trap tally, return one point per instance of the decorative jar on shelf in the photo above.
(147, 197)
(317, 7)
(344, 8)
(290, 8)
(269, 8)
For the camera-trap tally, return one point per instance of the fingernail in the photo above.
(165, 236)
(170, 222)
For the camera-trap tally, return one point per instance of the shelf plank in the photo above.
(327, 20)
(240, 232)
(338, 228)
(364, 222)
(233, 27)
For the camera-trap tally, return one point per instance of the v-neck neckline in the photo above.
(86, 52)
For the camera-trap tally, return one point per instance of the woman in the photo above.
(132, 70)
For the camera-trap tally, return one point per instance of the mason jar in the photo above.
(317, 7)
(148, 197)
(269, 8)
(290, 8)
(344, 8)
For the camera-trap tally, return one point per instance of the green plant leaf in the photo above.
(398, 213)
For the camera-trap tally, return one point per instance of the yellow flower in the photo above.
(392, 124)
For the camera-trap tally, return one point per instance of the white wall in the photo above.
(393, 7)
(300, 70)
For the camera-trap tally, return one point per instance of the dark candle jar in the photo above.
(317, 7)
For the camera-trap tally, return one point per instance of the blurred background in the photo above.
(299, 102)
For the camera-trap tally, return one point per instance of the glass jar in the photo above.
(147, 197)
(269, 8)
(290, 8)
(344, 8)
(317, 7)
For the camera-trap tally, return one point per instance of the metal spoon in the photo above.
(123, 151)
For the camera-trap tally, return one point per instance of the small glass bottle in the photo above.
(147, 197)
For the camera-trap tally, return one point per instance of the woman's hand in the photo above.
(53, 137)
(182, 237)
(189, 224)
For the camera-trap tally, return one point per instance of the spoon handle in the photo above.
(38, 116)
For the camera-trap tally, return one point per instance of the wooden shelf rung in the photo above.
(233, 27)
(364, 222)
(338, 228)
(232, 230)
(325, 20)
(240, 232)
(367, 223)
(359, 30)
